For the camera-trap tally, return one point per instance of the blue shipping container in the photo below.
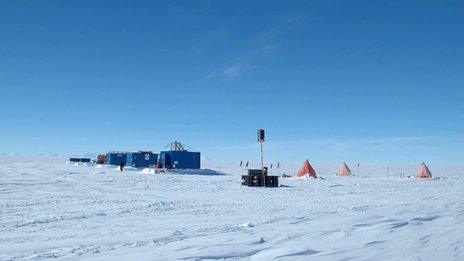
(116, 158)
(79, 159)
(180, 159)
(141, 159)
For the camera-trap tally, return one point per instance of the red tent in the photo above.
(306, 170)
(344, 170)
(423, 172)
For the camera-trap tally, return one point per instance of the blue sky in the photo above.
(360, 81)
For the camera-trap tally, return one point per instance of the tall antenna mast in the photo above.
(261, 141)
(259, 177)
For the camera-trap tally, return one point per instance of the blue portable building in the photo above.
(141, 159)
(79, 159)
(116, 157)
(180, 159)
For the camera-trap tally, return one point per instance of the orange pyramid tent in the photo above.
(306, 170)
(344, 170)
(423, 172)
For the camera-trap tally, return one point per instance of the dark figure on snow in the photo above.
(121, 165)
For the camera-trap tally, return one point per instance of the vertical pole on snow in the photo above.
(260, 136)
(409, 165)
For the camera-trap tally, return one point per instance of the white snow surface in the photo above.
(50, 209)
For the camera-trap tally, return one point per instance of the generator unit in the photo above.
(116, 158)
(141, 159)
(259, 178)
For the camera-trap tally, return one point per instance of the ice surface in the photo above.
(50, 209)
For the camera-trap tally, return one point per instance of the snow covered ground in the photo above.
(52, 210)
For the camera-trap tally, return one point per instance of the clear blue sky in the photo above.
(367, 81)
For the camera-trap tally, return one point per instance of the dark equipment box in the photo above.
(259, 181)
(257, 172)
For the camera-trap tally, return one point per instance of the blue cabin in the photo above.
(79, 159)
(116, 158)
(141, 159)
(178, 159)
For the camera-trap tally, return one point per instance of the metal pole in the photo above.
(262, 165)
(409, 165)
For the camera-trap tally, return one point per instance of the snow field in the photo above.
(52, 210)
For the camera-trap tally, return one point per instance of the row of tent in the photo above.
(308, 171)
